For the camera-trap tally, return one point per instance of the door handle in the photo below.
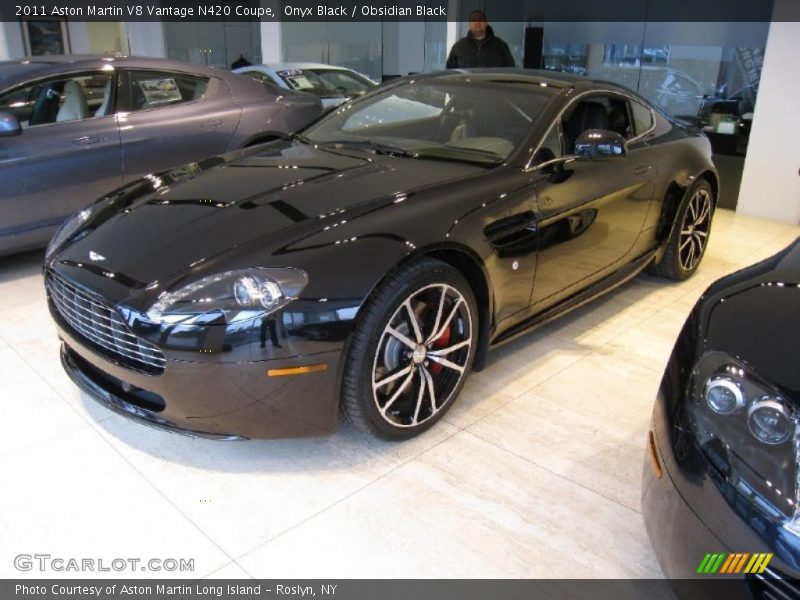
(86, 140)
(641, 170)
(211, 124)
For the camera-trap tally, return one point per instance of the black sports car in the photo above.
(721, 479)
(370, 263)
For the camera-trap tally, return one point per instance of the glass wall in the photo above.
(213, 44)
(692, 70)
(357, 46)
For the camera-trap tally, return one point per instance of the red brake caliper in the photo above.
(441, 342)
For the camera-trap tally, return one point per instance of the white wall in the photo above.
(145, 39)
(11, 44)
(770, 182)
(79, 41)
(271, 42)
(403, 47)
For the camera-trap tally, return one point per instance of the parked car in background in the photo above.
(721, 489)
(73, 128)
(333, 85)
(368, 266)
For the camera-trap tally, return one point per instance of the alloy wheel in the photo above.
(695, 229)
(422, 355)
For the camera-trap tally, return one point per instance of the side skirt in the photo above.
(577, 300)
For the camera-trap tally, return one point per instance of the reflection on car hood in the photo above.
(172, 220)
(754, 314)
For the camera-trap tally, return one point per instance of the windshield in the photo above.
(326, 82)
(449, 120)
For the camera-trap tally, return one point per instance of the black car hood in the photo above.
(754, 314)
(167, 222)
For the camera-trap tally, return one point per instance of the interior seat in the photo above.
(587, 115)
(74, 106)
(619, 122)
(104, 106)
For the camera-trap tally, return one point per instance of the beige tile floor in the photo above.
(535, 472)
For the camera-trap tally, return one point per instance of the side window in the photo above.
(58, 100)
(600, 111)
(258, 76)
(145, 90)
(642, 117)
(343, 82)
(551, 146)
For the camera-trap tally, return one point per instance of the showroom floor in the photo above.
(535, 471)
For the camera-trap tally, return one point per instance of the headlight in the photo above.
(67, 229)
(748, 431)
(235, 295)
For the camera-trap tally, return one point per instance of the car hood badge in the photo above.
(95, 257)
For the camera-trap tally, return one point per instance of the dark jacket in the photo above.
(469, 53)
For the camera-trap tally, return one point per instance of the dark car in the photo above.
(73, 128)
(366, 265)
(720, 491)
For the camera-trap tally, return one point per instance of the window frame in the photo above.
(570, 104)
(125, 81)
(66, 76)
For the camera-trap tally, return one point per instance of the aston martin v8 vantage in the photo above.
(368, 264)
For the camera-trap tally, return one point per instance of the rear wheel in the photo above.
(687, 244)
(411, 352)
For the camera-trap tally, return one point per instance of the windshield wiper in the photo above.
(461, 155)
(377, 147)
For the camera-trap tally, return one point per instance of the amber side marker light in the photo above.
(297, 370)
(651, 445)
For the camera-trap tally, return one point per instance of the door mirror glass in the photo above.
(9, 125)
(600, 144)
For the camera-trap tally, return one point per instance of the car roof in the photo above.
(545, 78)
(21, 70)
(287, 66)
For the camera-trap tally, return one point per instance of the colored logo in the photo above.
(734, 563)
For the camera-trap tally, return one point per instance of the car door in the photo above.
(590, 214)
(169, 119)
(67, 155)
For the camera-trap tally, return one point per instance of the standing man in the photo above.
(480, 47)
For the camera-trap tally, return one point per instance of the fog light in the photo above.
(723, 396)
(769, 422)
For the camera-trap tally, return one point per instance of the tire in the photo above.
(412, 350)
(689, 238)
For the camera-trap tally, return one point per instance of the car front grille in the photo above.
(101, 327)
(773, 585)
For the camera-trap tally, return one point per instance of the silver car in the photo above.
(334, 85)
(73, 128)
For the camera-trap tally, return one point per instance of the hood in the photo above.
(754, 314)
(165, 223)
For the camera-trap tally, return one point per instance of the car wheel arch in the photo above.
(672, 200)
(470, 265)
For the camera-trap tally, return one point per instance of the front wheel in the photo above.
(411, 352)
(689, 240)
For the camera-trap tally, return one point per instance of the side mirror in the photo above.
(9, 124)
(600, 144)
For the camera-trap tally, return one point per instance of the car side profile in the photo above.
(73, 128)
(365, 266)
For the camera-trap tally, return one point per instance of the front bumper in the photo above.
(219, 400)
